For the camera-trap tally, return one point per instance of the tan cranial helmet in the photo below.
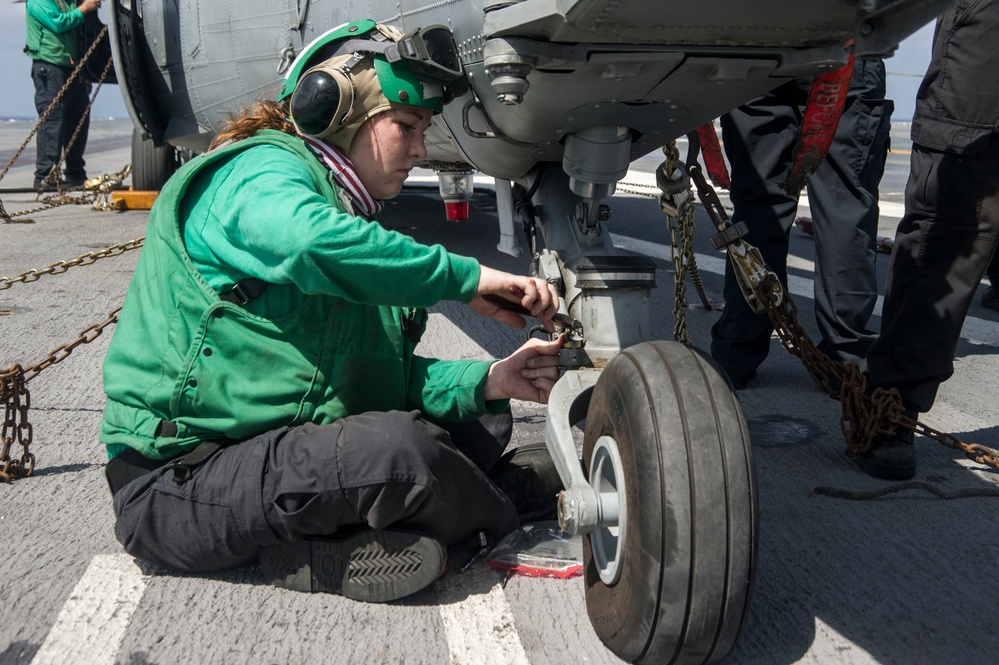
(359, 70)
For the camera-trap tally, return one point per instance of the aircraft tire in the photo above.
(673, 581)
(152, 166)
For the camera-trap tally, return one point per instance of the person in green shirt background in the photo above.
(52, 44)
(264, 401)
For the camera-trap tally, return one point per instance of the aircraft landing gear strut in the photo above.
(665, 496)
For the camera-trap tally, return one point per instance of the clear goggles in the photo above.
(430, 52)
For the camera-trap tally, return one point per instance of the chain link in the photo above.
(54, 173)
(60, 267)
(57, 355)
(678, 229)
(677, 202)
(13, 389)
(13, 381)
(865, 414)
(17, 400)
(97, 191)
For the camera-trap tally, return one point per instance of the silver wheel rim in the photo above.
(607, 480)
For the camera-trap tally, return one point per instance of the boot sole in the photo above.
(886, 471)
(371, 566)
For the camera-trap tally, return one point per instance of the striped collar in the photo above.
(346, 176)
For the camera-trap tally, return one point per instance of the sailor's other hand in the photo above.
(89, 6)
(529, 373)
(509, 298)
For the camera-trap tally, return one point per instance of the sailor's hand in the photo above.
(89, 6)
(509, 298)
(529, 373)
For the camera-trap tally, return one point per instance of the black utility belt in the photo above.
(65, 68)
(131, 465)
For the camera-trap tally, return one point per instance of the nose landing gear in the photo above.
(669, 577)
(666, 495)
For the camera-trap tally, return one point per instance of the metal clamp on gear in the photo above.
(673, 180)
(729, 234)
(677, 182)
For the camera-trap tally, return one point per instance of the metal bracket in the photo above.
(750, 271)
(567, 405)
(729, 234)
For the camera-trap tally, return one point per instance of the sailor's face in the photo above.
(386, 147)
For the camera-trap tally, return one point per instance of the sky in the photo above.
(905, 69)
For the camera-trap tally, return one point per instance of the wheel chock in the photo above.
(128, 199)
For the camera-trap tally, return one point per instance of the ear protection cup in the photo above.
(322, 101)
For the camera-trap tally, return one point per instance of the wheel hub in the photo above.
(607, 480)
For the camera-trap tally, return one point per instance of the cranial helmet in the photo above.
(351, 73)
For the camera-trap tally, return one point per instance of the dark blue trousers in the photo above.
(57, 129)
(759, 139)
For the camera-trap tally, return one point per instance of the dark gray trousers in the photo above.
(843, 195)
(375, 469)
(56, 131)
(948, 235)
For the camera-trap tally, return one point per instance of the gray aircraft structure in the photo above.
(563, 95)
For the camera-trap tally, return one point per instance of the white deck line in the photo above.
(93, 621)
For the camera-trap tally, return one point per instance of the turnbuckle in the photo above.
(747, 262)
(751, 271)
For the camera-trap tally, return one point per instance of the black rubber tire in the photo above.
(689, 554)
(151, 166)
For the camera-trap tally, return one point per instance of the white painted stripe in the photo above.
(92, 623)
(635, 181)
(479, 628)
(976, 330)
(646, 180)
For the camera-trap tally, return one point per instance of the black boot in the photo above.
(369, 565)
(990, 299)
(43, 185)
(528, 476)
(892, 457)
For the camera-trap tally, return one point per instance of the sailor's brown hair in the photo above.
(263, 114)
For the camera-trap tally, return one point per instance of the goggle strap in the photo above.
(390, 50)
(407, 48)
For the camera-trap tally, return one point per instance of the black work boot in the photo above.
(373, 566)
(990, 299)
(892, 457)
(528, 476)
(75, 182)
(44, 185)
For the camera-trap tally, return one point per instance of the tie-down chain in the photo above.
(677, 201)
(14, 393)
(866, 414)
(96, 190)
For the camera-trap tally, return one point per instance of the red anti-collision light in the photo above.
(457, 211)
(456, 189)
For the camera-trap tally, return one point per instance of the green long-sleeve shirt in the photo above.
(333, 335)
(259, 215)
(51, 31)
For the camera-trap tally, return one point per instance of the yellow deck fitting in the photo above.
(133, 200)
